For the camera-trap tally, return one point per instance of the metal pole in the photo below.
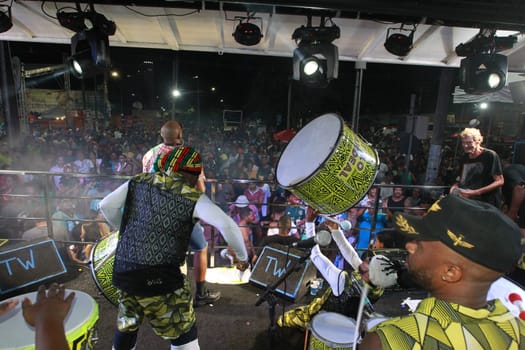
(412, 128)
(289, 111)
(360, 66)
(174, 82)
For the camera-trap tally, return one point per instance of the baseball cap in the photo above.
(476, 230)
(179, 159)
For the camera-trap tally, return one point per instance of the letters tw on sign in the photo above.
(29, 264)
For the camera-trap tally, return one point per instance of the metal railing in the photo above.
(48, 197)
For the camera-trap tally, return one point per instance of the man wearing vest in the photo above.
(171, 133)
(456, 251)
(156, 213)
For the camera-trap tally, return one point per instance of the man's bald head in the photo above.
(171, 133)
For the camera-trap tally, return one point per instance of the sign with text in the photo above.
(273, 263)
(32, 263)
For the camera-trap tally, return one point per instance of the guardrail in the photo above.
(47, 196)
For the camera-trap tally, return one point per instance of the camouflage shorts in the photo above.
(170, 315)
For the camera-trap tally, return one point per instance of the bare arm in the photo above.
(47, 315)
(371, 342)
(498, 182)
(518, 195)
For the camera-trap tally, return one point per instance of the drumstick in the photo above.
(516, 300)
(364, 294)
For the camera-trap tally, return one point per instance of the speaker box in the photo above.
(29, 263)
(273, 262)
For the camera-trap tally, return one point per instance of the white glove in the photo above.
(380, 272)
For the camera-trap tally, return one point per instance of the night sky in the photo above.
(256, 84)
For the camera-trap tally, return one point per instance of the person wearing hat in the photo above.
(171, 133)
(156, 213)
(456, 251)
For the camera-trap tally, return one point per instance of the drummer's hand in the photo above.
(242, 265)
(49, 307)
(8, 305)
(331, 225)
(311, 214)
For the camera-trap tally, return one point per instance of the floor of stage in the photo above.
(234, 322)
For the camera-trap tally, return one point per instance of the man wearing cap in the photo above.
(171, 133)
(456, 251)
(156, 213)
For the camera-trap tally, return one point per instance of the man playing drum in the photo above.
(159, 212)
(456, 251)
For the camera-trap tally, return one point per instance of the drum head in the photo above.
(308, 150)
(17, 334)
(501, 289)
(333, 329)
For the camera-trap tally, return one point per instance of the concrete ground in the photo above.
(234, 322)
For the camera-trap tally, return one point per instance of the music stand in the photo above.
(269, 294)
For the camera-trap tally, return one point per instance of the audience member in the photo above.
(480, 172)
(283, 236)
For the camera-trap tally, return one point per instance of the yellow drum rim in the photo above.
(94, 267)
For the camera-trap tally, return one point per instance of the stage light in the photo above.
(483, 73)
(79, 21)
(399, 44)
(316, 59)
(5, 18)
(89, 53)
(247, 33)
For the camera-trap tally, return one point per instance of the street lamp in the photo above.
(115, 75)
(196, 77)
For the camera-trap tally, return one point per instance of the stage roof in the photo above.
(208, 26)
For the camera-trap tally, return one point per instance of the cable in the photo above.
(162, 15)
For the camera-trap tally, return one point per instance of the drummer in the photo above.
(345, 288)
(456, 251)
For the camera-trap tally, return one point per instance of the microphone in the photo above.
(323, 238)
(345, 224)
(516, 300)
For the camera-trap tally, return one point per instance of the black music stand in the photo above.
(269, 294)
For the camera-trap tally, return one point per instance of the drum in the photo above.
(79, 324)
(330, 330)
(501, 289)
(327, 165)
(102, 259)
(374, 321)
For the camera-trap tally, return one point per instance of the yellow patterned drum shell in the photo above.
(331, 331)
(327, 165)
(102, 259)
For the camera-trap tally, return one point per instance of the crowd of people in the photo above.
(448, 237)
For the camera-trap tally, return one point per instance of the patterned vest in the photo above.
(437, 324)
(154, 234)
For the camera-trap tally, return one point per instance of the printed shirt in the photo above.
(437, 324)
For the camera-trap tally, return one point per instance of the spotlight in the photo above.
(79, 21)
(89, 53)
(316, 59)
(247, 33)
(5, 19)
(399, 44)
(483, 73)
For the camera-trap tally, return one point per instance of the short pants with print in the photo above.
(170, 315)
